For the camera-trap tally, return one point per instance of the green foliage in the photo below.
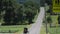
(16, 13)
(9, 7)
(49, 2)
(49, 20)
(31, 4)
(30, 10)
(9, 12)
(58, 19)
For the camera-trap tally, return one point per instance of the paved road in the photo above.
(35, 29)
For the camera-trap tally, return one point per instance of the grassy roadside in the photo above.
(43, 30)
(13, 29)
(53, 29)
(21, 32)
(54, 18)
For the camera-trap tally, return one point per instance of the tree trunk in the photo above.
(50, 25)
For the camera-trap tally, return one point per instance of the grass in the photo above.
(54, 30)
(17, 28)
(54, 18)
(43, 30)
(35, 18)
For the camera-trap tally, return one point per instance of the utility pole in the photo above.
(46, 19)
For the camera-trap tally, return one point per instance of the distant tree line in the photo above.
(16, 14)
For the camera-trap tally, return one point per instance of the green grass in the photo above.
(43, 30)
(18, 28)
(54, 18)
(54, 30)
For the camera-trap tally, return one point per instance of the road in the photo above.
(35, 29)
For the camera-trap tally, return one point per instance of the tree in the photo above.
(1, 8)
(16, 13)
(49, 2)
(31, 4)
(30, 10)
(21, 16)
(58, 19)
(9, 17)
(29, 15)
(49, 20)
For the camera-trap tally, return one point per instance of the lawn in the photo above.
(54, 18)
(13, 29)
(54, 30)
(43, 30)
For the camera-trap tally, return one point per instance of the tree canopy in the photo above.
(16, 13)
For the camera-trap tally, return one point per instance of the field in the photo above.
(54, 18)
(56, 29)
(13, 29)
(52, 30)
